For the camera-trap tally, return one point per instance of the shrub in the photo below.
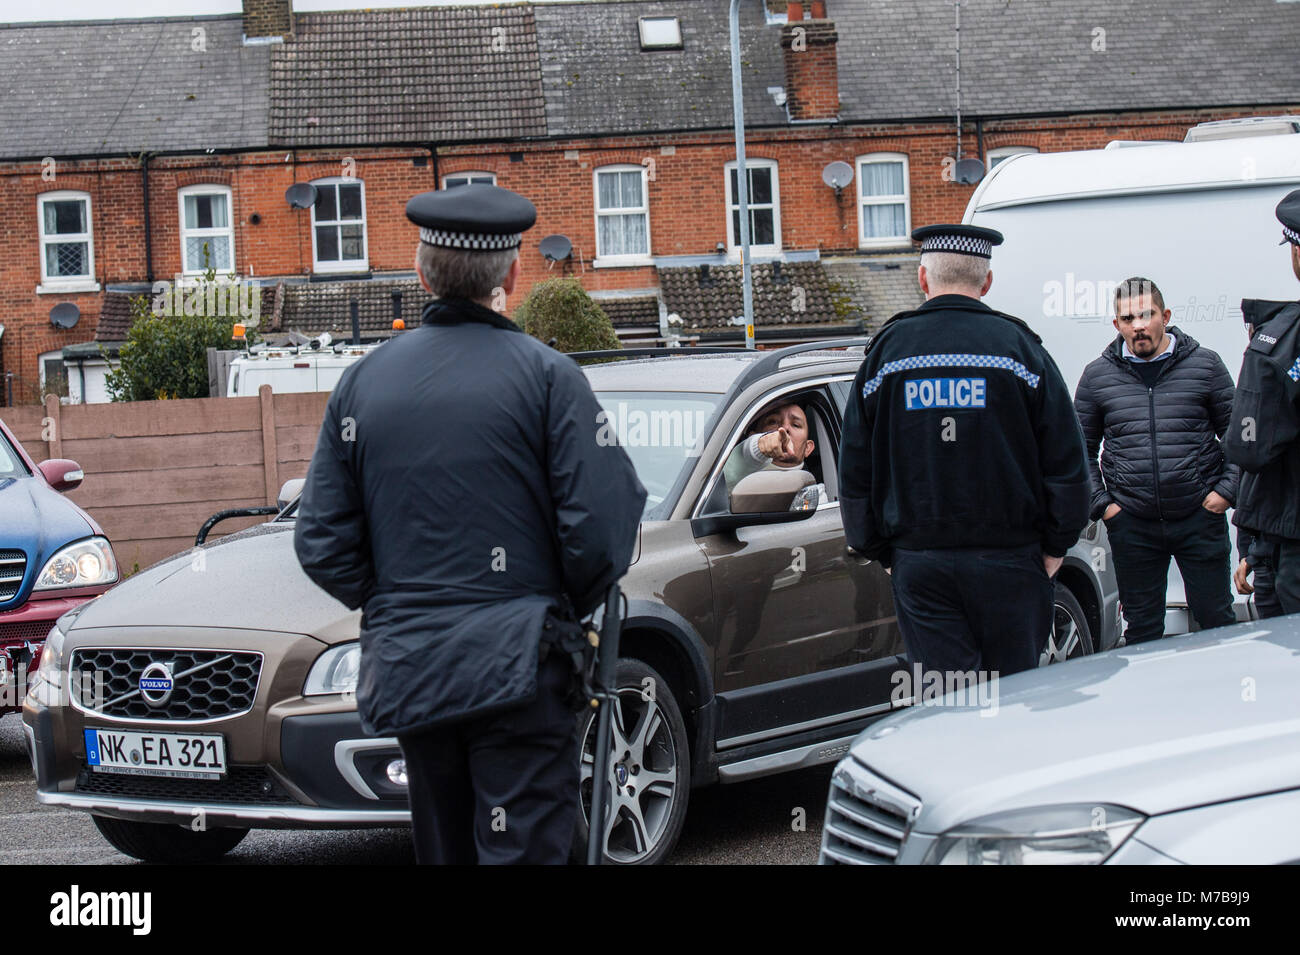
(561, 309)
(166, 350)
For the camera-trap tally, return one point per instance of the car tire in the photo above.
(1071, 636)
(646, 835)
(167, 843)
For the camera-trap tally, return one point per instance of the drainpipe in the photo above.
(433, 160)
(148, 238)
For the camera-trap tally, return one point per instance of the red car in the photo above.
(53, 557)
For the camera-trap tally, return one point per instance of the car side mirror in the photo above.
(764, 497)
(288, 491)
(61, 473)
(768, 491)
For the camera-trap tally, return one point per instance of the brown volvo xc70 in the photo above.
(211, 693)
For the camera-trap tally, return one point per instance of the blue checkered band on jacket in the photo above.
(950, 361)
(1294, 371)
(471, 240)
(964, 244)
(1292, 235)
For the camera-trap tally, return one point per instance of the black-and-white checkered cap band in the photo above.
(1291, 235)
(963, 244)
(473, 241)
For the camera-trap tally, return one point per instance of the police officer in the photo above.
(963, 467)
(1264, 437)
(460, 495)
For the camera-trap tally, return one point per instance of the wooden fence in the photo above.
(156, 470)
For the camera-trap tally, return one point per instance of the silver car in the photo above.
(1183, 750)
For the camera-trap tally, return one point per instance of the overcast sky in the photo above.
(14, 11)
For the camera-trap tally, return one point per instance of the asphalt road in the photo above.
(773, 820)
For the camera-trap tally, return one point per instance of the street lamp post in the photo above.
(742, 177)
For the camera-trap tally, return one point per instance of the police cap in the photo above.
(476, 217)
(963, 239)
(1288, 213)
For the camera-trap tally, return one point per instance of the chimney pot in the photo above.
(794, 11)
(818, 10)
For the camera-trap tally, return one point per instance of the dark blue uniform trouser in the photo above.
(973, 608)
(1274, 591)
(1141, 549)
(499, 789)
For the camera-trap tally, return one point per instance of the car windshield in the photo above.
(661, 432)
(11, 464)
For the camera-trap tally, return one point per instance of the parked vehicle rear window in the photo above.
(661, 432)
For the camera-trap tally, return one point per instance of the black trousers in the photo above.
(500, 789)
(1263, 561)
(1275, 575)
(1141, 549)
(972, 608)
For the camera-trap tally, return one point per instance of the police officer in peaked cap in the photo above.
(458, 494)
(963, 467)
(1264, 436)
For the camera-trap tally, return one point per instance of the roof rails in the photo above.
(771, 361)
(675, 351)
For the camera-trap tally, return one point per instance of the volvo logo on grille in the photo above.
(156, 684)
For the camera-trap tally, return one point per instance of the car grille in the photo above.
(208, 684)
(867, 818)
(13, 565)
(27, 631)
(245, 785)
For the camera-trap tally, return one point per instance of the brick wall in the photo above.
(686, 201)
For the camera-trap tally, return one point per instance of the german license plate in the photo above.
(156, 754)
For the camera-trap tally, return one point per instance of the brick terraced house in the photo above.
(133, 151)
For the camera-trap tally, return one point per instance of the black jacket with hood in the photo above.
(1160, 446)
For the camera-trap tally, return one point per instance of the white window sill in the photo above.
(622, 262)
(65, 288)
(346, 268)
(900, 243)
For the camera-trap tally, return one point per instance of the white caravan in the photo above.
(1194, 217)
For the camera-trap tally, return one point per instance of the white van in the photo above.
(293, 368)
(1197, 218)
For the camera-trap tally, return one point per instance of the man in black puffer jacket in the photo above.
(1160, 402)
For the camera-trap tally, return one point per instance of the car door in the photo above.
(806, 633)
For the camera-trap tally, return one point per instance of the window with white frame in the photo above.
(465, 178)
(622, 214)
(884, 202)
(67, 246)
(1006, 152)
(764, 206)
(207, 232)
(338, 220)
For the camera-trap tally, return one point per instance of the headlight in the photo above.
(1045, 835)
(47, 685)
(82, 564)
(335, 671)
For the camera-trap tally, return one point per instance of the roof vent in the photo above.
(1240, 128)
(660, 33)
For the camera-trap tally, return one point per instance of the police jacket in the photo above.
(1160, 450)
(460, 495)
(1264, 433)
(959, 433)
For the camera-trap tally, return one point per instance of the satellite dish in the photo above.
(555, 247)
(837, 175)
(65, 315)
(301, 195)
(968, 171)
